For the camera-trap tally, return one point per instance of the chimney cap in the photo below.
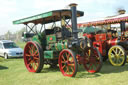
(121, 11)
(73, 4)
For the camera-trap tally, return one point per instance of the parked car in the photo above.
(9, 49)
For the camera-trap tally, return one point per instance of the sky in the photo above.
(17, 9)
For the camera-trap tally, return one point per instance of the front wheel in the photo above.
(33, 57)
(117, 55)
(92, 60)
(68, 63)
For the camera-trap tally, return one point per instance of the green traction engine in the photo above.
(57, 42)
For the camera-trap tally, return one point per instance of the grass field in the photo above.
(14, 72)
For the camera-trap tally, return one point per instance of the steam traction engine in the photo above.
(110, 37)
(59, 44)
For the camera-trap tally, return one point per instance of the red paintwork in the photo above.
(80, 59)
(88, 61)
(100, 37)
(62, 61)
(90, 36)
(102, 41)
(106, 40)
(101, 46)
(104, 21)
(91, 63)
(51, 38)
(31, 57)
(112, 42)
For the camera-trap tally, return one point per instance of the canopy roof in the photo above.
(92, 30)
(107, 20)
(48, 17)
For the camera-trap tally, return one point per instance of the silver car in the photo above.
(10, 49)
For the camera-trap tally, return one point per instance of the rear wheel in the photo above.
(117, 55)
(93, 60)
(68, 63)
(33, 57)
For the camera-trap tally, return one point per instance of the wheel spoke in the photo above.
(67, 55)
(67, 70)
(67, 63)
(30, 63)
(63, 66)
(114, 51)
(32, 49)
(93, 60)
(35, 52)
(29, 47)
(36, 55)
(29, 59)
(36, 58)
(30, 52)
(36, 64)
(32, 57)
(33, 65)
(117, 61)
(119, 52)
(62, 61)
(90, 65)
(63, 58)
(72, 69)
(27, 55)
(71, 65)
(112, 54)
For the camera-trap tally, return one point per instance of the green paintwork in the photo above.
(92, 30)
(51, 38)
(52, 46)
(47, 17)
(36, 17)
(48, 55)
(36, 38)
(58, 46)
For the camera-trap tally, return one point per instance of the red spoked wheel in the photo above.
(33, 57)
(68, 63)
(93, 60)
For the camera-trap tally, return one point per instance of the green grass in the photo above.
(13, 72)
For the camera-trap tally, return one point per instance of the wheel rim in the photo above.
(31, 57)
(116, 56)
(67, 63)
(92, 62)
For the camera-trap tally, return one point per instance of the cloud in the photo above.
(48, 5)
(7, 7)
(16, 9)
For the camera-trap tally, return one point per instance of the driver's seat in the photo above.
(58, 32)
(65, 33)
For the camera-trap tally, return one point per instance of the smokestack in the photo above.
(121, 11)
(74, 20)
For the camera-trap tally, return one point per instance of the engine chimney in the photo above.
(121, 11)
(74, 20)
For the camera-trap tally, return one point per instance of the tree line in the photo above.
(16, 36)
